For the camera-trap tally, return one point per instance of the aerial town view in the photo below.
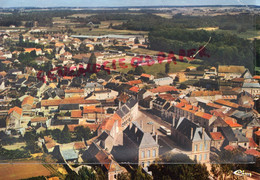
(121, 91)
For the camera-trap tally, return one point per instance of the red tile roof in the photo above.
(252, 152)
(74, 91)
(134, 89)
(230, 148)
(257, 77)
(52, 102)
(257, 133)
(162, 89)
(108, 123)
(15, 109)
(28, 100)
(216, 136)
(146, 75)
(167, 97)
(232, 124)
(134, 82)
(92, 127)
(214, 105)
(39, 119)
(205, 93)
(76, 114)
(203, 115)
(79, 145)
(252, 143)
(227, 103)
(92, 109)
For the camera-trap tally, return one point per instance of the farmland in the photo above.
(23, 170)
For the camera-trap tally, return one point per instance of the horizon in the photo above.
(121, 3)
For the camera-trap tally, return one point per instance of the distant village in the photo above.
(121, 118)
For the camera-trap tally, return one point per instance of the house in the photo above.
(93, 114)
(252, 88)
(128, 111)
(217, 140)
(37, 50)
(40, 121)
(242, 141)
(209, 95)
(192, 138)
(48, 144)
(163, 81)
(13, 120)
(95, 154)
(230, 72)
(73, 92)
(146, 77)
(140, 146)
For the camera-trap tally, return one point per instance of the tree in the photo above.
(82, 133)
(16, 102)
(124, 176)
(178, 166)
(167, 68)
(83, 48)
(136, 41)
(92, 63)
(139, 175)
(139, 70)
(183, 86)
(65, 135)
(86, 173)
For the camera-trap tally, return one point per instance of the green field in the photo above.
(160, 68)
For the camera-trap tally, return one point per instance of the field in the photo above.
(160, 68)
(22, 170)
(103, 29)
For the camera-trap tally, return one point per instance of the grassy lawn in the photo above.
(160, 68)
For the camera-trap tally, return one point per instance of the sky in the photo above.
(118, 3)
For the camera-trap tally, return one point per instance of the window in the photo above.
(206, 145)
(143, 154)
(148, 163)
(205, 156)
(196, 147)
(200, 157)
(115, 176)
(148, 153)
(154, 152)
(195, 157)
(201, 147)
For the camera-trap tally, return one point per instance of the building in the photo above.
(192, 138)
(230, 72)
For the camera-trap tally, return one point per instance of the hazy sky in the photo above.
(109, 3)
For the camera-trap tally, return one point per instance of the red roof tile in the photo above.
(252, 143)
(28, 100)
(76, 114)
(252, 152)
(15, 109)
(134, 82)
(216, 136)
(39, 119)
(257, 133)
(227, 103)
(134, 89)
(79, 145)
(146, 75)
(162, 89)
(230, 148)
(232, 124)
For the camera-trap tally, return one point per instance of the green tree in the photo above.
(16, 102)
(140, 175)
(82, 133)
(139, 70)
(167, 68)
(65, 135)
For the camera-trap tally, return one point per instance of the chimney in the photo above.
(203, 131)
(153, 129)
(156, 138)
(120, 104)
(191, 133)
